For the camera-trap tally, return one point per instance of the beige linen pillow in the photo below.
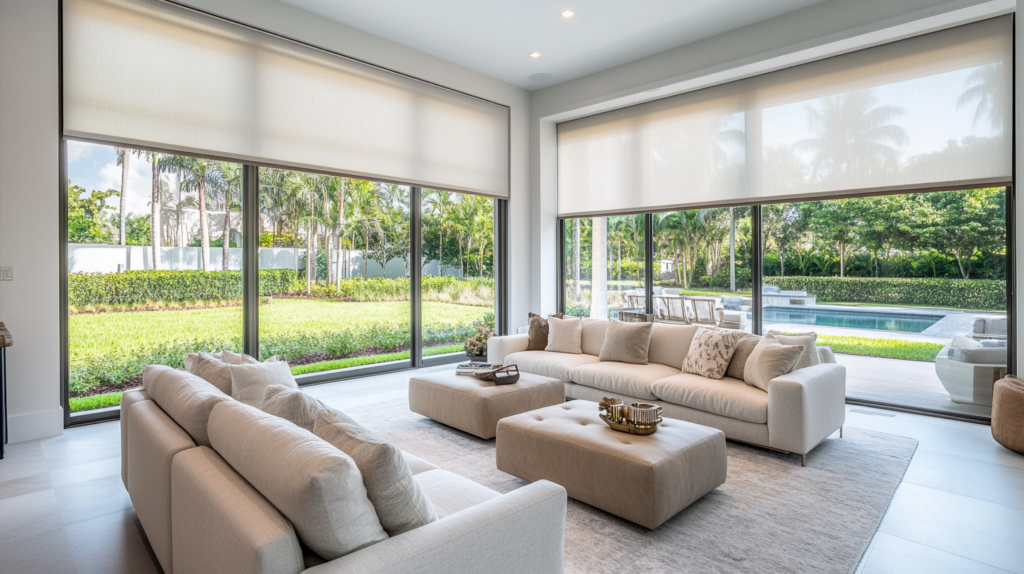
(710, 353)
(807, 341)
(312, 483)
(400, 503)
(739, 358)
(249, 382)
(292, 405)
(768, 360)
(626, 342)
(539, 331)
(565, 335)
(212, 368)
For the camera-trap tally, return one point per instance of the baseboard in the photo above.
(40, 424)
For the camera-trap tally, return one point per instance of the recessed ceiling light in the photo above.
(535, 55)
(568, 14)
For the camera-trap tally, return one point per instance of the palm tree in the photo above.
(984, 88)
(854, 137)
(440, 204)
(231, 187)
(196, 174)
(599, 268)
(155, 204)
(576, 260)
(123, 159)
(365, 205)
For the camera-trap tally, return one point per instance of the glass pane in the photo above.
(615, 244)
(702, 267)
(147, 281)
(334, 271)
(458, 271)
(909, 291)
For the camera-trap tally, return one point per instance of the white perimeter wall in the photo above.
(29, 176)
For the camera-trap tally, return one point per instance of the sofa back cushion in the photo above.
(315, 485)
(212, 368)
(400, 503)
(292, 405)
(186, 398)
(669, 344)
(808, 341)
(626, 342)
(249, 382)
(593, 335)
(768, 360)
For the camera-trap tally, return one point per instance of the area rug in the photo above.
(771, 515)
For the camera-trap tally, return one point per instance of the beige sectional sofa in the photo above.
(202, 516)
(798, 411)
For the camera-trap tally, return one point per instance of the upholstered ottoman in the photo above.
(644, 479)
(476, 406)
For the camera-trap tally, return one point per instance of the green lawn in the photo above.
(114, 347)
(884, 348)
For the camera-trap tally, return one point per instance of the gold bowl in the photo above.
(637, 418)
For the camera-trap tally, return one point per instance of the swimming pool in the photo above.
(875, 320)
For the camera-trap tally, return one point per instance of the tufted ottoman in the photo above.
(475, 406)
(644, 479)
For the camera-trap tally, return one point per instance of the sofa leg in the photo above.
(840, 431)
(803, 460)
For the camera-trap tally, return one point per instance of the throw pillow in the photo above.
(233, 358)
(186, 398)
(739, 358)
(312, 483)
(539, 331)
(249, 382)
(626, 342)
(768, 360)
(565, 335)
(710, 353)
(807, 341)
(400, 503)
(962, 341)
(212, 368)
(291, 404)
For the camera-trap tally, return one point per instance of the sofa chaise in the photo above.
(798, 411)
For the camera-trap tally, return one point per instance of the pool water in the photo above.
(896, 321)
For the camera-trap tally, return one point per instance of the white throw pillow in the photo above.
(768, 360)
(250, 382)
(212, 368)
(565, 335)
(710, 352)
(400, 503)
(961, 341)
(806, 340)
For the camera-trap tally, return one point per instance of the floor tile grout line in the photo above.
(943, 550)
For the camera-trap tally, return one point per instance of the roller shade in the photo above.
(929, 111)
(148, 73)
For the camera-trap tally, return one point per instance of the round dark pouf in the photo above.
(1008, 413)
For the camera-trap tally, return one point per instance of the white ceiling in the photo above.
(496, 37)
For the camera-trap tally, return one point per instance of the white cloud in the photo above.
(81, 150)
(140, 185)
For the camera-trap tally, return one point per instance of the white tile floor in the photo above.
(960, 507)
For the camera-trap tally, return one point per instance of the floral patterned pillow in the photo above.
(710, 352)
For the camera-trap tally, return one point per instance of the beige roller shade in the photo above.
(149, 73)
(929, 111)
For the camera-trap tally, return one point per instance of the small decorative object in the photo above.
(637, 418)
(501, 375)
(476, 346)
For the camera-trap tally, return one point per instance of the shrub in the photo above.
(138, 287)
(984, 294)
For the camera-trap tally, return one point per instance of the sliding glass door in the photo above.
(605, 262)
(154, 262)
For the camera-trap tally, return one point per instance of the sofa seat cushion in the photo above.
(450, 493)
(726, 397)
(547, 364)
(417, 464)
(623, 378)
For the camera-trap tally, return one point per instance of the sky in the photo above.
(94, 167)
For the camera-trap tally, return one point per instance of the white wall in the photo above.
(29, 177)
(743, 52)
(29, 187)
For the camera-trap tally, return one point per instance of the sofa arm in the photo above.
(500, 347)
(519, 532)
(806, 406)
(825, 354)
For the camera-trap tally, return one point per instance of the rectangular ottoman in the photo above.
(644, 479)
(476, 406)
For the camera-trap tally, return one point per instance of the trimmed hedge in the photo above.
(981, 294)
(141, 287)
